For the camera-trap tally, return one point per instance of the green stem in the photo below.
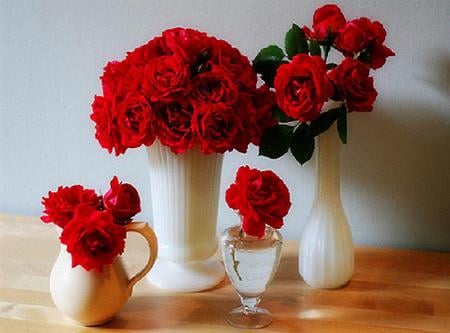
(235, 263)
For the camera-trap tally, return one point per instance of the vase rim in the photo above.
(237, 232)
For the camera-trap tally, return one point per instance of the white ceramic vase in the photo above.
(185, 193)
(93, 298)
(326, 246)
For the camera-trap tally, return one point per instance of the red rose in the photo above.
(141, 55)
(363, 34)
(232, 61)
(134, 116)
(327, 19)
(354, 36)
(354, 84)
(246, 113)
(173, 125)
(122, 124)
(92, 238)
(263, 100)
(217, 127)
(302, 87)
(122, 200)
(215, 86)
(187, 43)
(165, 76)
(119, 78)
(261, 198)
(378, 55)
(59, 206)
(105, 119)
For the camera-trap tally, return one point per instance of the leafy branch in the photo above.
(299, 138)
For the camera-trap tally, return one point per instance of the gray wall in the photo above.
(395, 169)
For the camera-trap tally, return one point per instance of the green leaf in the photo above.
(364, 56)
(314, 48)
(342, 124)
(270, 53)
(267, 62)
(331, 66)
(295, 41)
(324, 121)
(302, 146)
(280, 115)
(275, 141)
(268, 70)
(326, 50)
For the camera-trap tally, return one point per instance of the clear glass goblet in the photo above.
(250, 264)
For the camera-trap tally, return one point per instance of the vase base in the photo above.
(333, 285)
(93, 323)
(187, 277)
(259, 319)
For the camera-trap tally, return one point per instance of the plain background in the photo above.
(395, 169)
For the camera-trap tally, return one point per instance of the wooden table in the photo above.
(391, 291)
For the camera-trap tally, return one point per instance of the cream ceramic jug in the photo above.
(93, 298)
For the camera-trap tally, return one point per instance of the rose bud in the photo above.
(122, 200)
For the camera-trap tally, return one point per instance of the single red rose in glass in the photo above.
(327, 20)
(216, 126)
(260, 197)
(165, 76)
(122, 200)
(92, 238)
(59, 206)
(354, 85)
(173, 124)
(302, 87)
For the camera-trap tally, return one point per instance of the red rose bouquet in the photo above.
(185, 89)
(260, 197)
(93, 227)
(303, 79)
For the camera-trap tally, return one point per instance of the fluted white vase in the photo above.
(326, 246)
(185, 192)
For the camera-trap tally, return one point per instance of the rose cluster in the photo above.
(93, 227)
(185, 89)
(303, 85)
(304, 79)
(260, 197)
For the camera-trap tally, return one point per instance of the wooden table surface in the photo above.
(391, 291)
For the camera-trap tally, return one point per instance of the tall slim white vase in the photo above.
(326, 246)
(185, 193)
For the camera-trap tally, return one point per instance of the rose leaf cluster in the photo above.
(303, 80)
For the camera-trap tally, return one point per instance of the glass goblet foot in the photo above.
(242, 318)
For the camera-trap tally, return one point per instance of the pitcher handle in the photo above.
(144, 229)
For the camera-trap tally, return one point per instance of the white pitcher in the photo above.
(93, 298)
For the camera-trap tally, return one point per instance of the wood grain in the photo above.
(391, 291)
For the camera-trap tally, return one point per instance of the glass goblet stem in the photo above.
(250, 304)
